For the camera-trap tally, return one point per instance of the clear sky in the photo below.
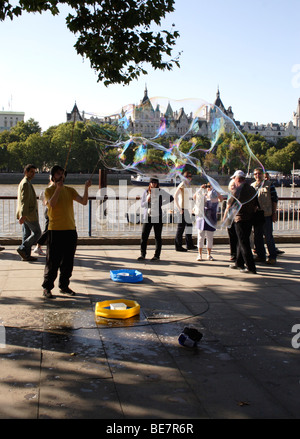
(250, 49)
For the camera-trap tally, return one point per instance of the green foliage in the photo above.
(115, 36)
(283, 159)
(84, 146)
(75, 144)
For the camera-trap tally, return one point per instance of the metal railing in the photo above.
(121, 217)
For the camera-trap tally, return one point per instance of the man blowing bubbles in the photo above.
(62, 235)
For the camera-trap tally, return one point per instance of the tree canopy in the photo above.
(26, 143)
(115, 36)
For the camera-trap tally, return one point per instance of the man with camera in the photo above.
(247, 196)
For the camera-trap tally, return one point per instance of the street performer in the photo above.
(62, 235)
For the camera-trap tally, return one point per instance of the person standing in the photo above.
(181, 200)
(247, 196)
(233, 239)
(152, 201)
(27, 214)
(44, 235)
(206, 199)
(62, 235)
(278, 251)
(267, 199)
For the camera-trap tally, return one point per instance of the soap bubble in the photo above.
(162, 137)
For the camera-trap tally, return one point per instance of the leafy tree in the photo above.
(283, 159)
(115, 36)
(24, 129)
(4, 157)
(284, 141)
(231, 154)
(36, 151)
(211, 162)
(16, 156)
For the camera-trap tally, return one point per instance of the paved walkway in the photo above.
(59, 361)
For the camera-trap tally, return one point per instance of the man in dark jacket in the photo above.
(247, 196)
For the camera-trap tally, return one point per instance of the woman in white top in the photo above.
(206, 211)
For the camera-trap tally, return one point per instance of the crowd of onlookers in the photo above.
(251, 208)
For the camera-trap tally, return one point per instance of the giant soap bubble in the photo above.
(162, 137)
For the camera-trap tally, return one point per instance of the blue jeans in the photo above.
(31, 233)
(265, 231)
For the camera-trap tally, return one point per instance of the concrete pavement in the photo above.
(59, 361)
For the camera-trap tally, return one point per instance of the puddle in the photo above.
(119, 323)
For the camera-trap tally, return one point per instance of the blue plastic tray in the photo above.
(126, 275)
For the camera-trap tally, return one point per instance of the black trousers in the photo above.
(61, 247)
(233, 240)
(44, 236)
(157, 233)
(244, 251)
(184, 224)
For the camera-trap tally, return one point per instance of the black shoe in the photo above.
(181, 249)
(233, 266)
(279, 252)
(2, 248)
(23, 254)
(30, 259)
(47, 294)
(68, 291)
(258, 259)
(193, 248)
(246, 270)
(155, 258)
(232, 258)
(141, 258)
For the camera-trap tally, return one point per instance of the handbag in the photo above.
(258, 218)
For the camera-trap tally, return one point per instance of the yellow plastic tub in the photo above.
(104, 309)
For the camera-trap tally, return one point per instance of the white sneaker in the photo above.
(199, 258)
(38, 250)
(210, 258)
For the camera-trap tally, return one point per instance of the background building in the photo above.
(9, 119)
(146, 121)
(75, 115)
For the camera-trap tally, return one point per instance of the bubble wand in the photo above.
(70, 146)
(94, 170)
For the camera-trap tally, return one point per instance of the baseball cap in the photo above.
(238, 174)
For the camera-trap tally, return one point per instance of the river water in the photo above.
(10, 227)
(133, 191)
